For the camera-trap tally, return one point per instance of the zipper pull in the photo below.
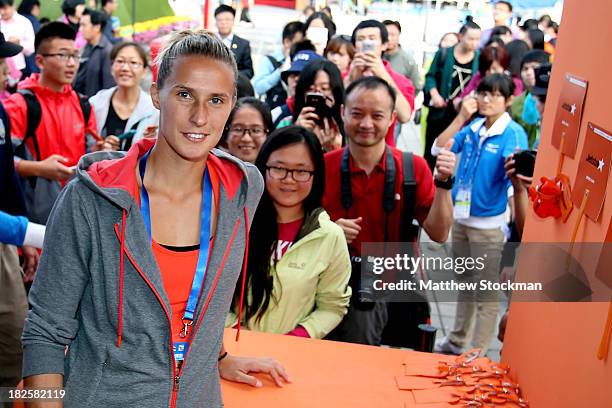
(176, 383)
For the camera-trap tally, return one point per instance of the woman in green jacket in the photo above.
(298, 266)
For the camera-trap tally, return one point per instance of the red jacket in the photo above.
(61, 129)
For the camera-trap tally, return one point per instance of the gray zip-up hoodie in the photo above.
(99, 291)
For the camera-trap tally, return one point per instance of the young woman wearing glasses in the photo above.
(247, 128)
(298, 268)
(480, 198)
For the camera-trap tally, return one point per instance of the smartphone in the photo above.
(317, 101)
(368, 46)
(127, 134)
(524, 162)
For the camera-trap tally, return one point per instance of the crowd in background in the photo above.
(320, 118)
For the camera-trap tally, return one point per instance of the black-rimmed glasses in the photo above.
(280, 173)
(64, 57)
(239, 131)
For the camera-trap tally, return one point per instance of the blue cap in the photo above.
(300, 60)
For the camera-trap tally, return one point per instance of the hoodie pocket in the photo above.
(83, 381)
(92, 401)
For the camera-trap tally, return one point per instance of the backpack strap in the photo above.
(410, 231)
(346, 196)
(33, 116)
(85, 108)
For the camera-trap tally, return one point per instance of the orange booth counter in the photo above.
(324, 373)
(334, 374)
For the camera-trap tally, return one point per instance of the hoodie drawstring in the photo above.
(244, 269)
(121, 269)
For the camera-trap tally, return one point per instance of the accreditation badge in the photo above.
(180, 349)
(463, 200)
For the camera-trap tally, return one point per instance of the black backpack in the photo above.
(276, 96)
(34, 115)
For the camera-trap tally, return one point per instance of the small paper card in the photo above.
(593, 170)
(569, 114)
(411, 382)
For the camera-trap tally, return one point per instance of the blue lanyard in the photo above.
(201, 267)
(470, 170)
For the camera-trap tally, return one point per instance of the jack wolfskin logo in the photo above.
(598, 163)
(570, 108)
(296, 265)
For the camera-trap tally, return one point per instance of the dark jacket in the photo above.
(98, 290)
(12, 200)
(95, 70)
(30, 59)
(242, 52)
(108, 30)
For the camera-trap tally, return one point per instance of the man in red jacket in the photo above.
(48, 125)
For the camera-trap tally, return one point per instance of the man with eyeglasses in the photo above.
(95, 69)
(51, 125)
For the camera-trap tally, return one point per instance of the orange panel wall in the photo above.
(552, 347)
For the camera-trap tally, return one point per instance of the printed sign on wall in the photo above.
(569, 114)
(593, 170)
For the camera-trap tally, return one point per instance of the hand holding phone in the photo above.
(524, 162)
(317, 101)
(367, 46)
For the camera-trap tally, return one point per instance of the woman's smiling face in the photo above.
(246, 134)
(194, 103)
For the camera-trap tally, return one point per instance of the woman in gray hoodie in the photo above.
(125, 110)
(143, 251)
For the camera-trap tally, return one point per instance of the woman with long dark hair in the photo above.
(298, 267)
(321, 78)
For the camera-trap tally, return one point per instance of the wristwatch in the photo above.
(446, 184)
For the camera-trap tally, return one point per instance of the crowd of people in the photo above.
(232, 196)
